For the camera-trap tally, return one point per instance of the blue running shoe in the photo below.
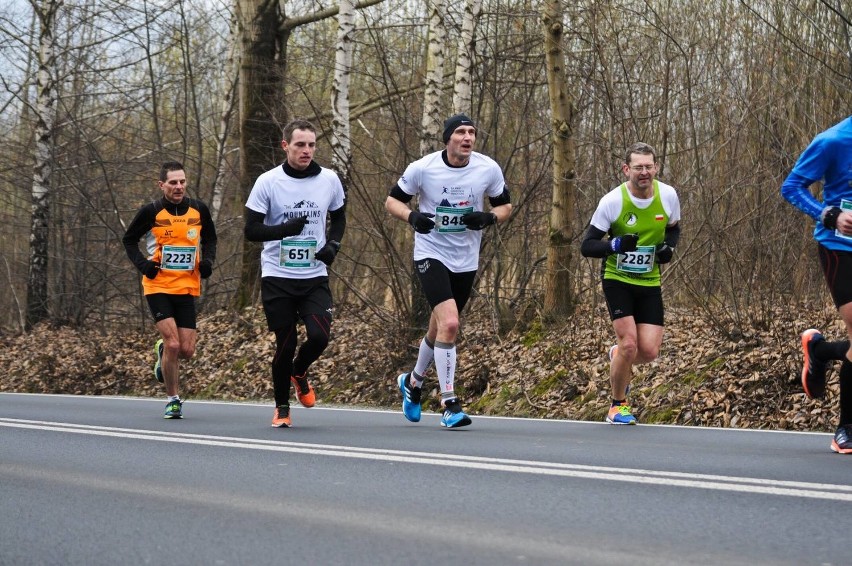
(620, 415)
(410, 398)
(158, 366)
(453, 416)
(173, 410)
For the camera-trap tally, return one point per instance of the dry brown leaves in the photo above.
(704, 376)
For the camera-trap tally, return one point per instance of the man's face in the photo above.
(460, 144)
(640, 171)
(300, 149)
(174, 187)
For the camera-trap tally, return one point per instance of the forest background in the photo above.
(96, 94)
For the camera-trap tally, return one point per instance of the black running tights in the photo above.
(317, 329)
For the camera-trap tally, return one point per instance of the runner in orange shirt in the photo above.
(180, 241)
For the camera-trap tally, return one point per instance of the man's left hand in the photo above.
(664, 253)
(205, 268)
(478, 220)
(328, 252)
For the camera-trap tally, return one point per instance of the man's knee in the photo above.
(317, 337)
(187, 351)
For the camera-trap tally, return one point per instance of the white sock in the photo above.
(445, 366)
(425, 355)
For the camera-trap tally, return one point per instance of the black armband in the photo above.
(399, 194)
(593, 245)
(672, 236)
(337, 223)
(502, 198)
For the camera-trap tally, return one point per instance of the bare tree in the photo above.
(464, 62)
(230, 81)
(341, 143)
(558, 296)
(37, 299)
(436, 54)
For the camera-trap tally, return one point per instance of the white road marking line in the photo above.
(653, 477)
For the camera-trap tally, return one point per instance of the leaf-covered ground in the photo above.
(704, 376)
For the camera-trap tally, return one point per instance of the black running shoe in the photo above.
(813, 371)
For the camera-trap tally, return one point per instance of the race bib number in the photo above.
(178, 258)
(845, 206)
(448, 219)
(639, 261)
(298, 254)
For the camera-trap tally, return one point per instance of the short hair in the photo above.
(642, 149)
(297, 124)
(169, 166)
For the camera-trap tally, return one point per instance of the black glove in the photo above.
(478, 220)
(625, 243)
(328, 252)
(293, 227)
(151, 269)
(205, 268)
(830, 216)
(421, 221)
(664, 253)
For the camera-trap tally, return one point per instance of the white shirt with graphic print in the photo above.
(282, 197)
(449, 192)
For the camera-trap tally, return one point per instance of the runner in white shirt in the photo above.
(287, 210)
(451, 186)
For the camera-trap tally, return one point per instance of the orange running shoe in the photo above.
(281, 418)
(842, 441)
(304, 391)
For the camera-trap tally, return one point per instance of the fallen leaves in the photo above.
(702, 377)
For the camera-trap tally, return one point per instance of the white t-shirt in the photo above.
(281, 197)
(449, 192)
(609, 206)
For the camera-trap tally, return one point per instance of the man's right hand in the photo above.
(151, 269)
(623, 244)
(421, 221)
(294, 226)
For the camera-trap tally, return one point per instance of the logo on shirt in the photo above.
(630, 219)
(192, 233)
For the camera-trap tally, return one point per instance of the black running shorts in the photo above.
(285, 301)
(179, 307)
(440, 284)
(837, 268)
(644, 304)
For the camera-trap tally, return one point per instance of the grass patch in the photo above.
(534, 335)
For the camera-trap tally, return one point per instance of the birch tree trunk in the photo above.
(558, 297)
(341, 140)
(437, 44)
(466, 47)
(37, 299)
(430, 130)
(231, 80)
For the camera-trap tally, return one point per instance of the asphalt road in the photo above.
(106, 480)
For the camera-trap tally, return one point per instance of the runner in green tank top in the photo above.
(641, 218)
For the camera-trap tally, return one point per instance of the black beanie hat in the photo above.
(453, 122)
